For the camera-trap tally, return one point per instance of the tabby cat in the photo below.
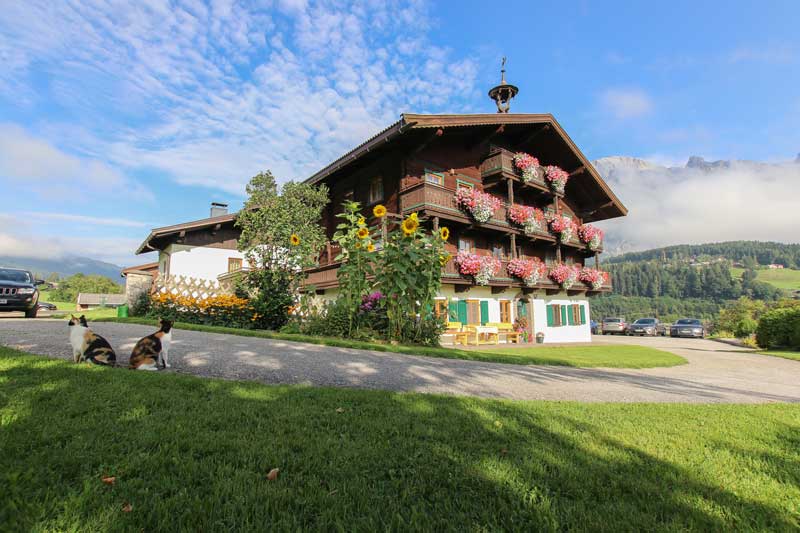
(88, 345)
(152, 351)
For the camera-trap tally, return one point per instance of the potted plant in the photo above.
(540, 338)
(527, 165)
(593, 277)
(557, 178)
(480, 205)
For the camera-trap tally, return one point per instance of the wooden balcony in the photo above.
(436, 200)
(499, 164)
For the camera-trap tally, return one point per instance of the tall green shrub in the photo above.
(779, 328)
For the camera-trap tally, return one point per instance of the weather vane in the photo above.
(503, 93)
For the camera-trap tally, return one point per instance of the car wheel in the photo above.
(31, 313)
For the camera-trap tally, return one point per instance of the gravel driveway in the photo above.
(716, 372)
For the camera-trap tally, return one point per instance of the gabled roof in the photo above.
(409, 122)
(88, 298)
(147, 268)
(186, 226)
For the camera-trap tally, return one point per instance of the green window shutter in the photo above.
(550, 318)
(570, 317)
(563, 315)
(484, 312)
(462, 311)
(452, 311)
(583, 314)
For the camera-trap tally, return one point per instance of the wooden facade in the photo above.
(417, 164)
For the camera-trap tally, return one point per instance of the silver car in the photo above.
(613, 325)
(688, 327)
(644, 326)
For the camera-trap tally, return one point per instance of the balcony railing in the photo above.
(423, 195)
(500, 163)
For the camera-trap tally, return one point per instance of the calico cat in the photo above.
(87, 345)
(152, 351)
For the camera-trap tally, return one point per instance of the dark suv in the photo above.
(18, 291)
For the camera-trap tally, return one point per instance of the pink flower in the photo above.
(480, 205)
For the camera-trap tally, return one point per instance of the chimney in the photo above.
(218, 209)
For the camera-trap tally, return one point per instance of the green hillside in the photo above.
(787, 278)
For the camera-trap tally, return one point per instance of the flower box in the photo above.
(531, 219)
(527, 166)
(556, 178)
(563, 226)
(593, 277)
(530, 271)
(480, 205)
(481, 267)
(591, 236)
(564, 275)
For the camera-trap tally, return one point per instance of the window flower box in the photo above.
(481, 267)
(556, 178)
(531, 219)
(564, 275)
(591, 236)
(530, 271)
(480, 205)
(564, 227)
(593, 277)
(527, 165)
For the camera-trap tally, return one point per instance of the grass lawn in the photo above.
(193, 454)
(579, 356)
(782, 353)
(65, 308)
(785, 278)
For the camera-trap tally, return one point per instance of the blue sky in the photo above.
(117, 117)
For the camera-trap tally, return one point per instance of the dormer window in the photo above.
(436, 178)
(376, 190)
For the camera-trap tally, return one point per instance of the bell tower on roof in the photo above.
(503, 93)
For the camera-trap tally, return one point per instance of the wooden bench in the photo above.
(457, 331)
(482, 337)
(507, 329)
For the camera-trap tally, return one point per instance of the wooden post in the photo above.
(513, 246)
(558, 252)
(510, 191)
(328, 252)
(596, 260)
(384, 232)
(435, 224)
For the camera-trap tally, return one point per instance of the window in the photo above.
(376, 190)
(473, 312)
(566, 315)
(234, 264)
(440, 309)
(499, 251)
(437, 178)
(505, 311)
(465, 244)
(460, 184)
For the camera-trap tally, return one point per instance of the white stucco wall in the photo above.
(566, 333)
(197, 261)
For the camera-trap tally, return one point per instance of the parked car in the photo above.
(688, 327)
(644, 326)
(18, 291)
(613, 325)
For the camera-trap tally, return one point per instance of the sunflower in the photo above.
(370, 247)
(358, 246)
(410, 225)
(363, 233)
(444, 233)
(362, 221)
(413, 216)
(444, 258)
(379, 211)
(294, 239)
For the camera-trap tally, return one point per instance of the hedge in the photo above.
(779, 328)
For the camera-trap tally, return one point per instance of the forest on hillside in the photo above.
(749, 253)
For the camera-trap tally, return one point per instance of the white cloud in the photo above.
(730, 201)
(84, 219)
(18, 240)
(44, 168)
(626, 103)
(219, 92)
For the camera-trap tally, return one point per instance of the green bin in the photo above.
(122, 311)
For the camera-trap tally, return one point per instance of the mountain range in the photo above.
(64, 266)
(700, 201)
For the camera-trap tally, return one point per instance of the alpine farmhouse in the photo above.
(435, 165)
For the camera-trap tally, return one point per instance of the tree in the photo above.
(69, 288)
(281, 236)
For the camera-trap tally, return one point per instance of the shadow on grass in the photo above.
(192, 454)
